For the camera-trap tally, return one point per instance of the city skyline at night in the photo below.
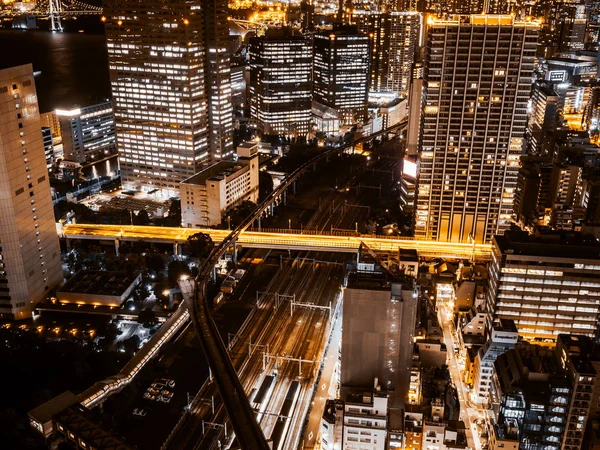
(327, 225)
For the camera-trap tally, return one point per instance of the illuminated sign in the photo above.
(557, 75)
(409, 168)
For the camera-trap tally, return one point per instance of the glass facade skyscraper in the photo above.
(341, 72)
(280, 82)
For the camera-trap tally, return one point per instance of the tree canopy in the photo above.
(200, 244)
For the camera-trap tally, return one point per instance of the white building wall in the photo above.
(30, 262)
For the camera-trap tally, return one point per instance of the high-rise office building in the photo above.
(30, 262)
(156, 55)
(572, 25)
(88, 133)
(341, 72)
(218, 77)
(548, 284)
(478, 79)
(393, 37)
(280, 82)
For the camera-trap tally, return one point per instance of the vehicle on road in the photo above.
(139, 412)
(149, 396)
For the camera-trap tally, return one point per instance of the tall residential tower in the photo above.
(477, 81)
(30, 262)
(156, 55)
(394, 37)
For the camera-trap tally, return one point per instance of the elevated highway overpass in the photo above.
(284, 239)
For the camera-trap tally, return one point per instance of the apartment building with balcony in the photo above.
(502, 337)
(477, 81)
(30, 264)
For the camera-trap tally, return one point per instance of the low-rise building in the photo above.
(99, 287)
(440, 434)
(207, 195)
(358, 423)
(413, 428)
(432, 352)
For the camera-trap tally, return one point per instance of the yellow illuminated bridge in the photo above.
(280, 239)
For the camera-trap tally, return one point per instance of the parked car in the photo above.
(163, 399)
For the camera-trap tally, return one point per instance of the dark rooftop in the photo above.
(507, 325)
(580, 349)
(99, 282)
(216, 172)
(77, 420)
(45, 412)
(550, 244)
(376, 281)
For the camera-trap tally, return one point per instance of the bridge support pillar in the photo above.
(271, 209)
(284, 198)
(294, 187)
(259, 224)
(176, 249)
(117, 244)
(213, 274)
(234, 254)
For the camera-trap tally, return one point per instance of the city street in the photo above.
(468, 413)
(327, 388)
